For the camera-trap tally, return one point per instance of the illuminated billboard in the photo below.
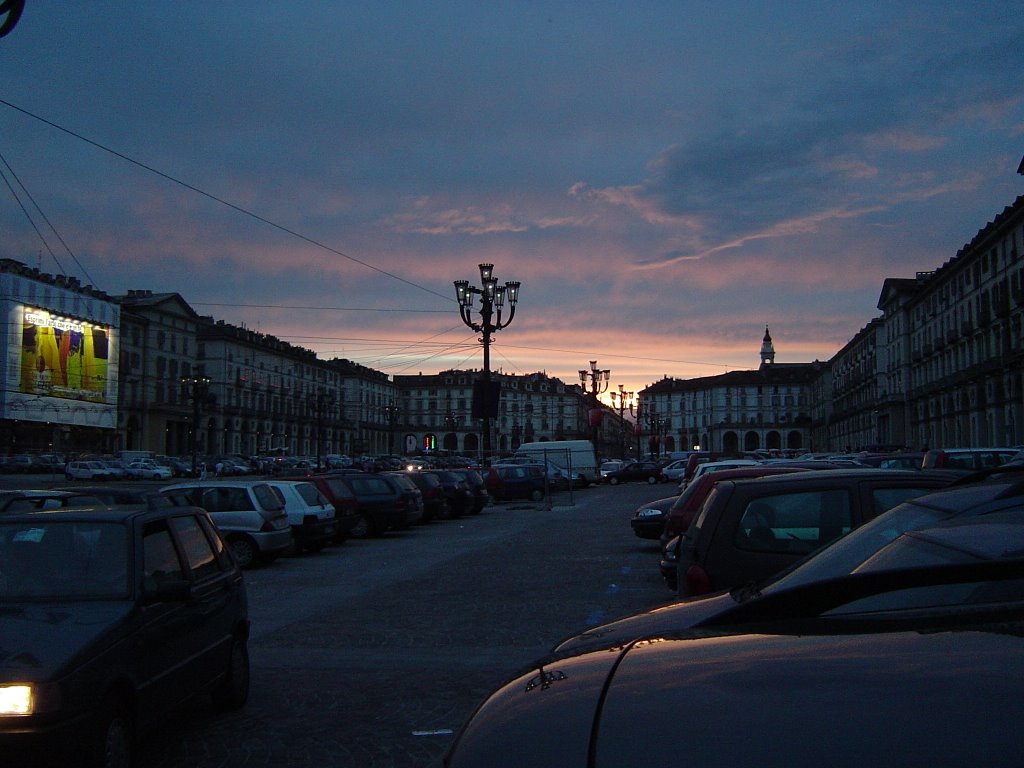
(64, 358)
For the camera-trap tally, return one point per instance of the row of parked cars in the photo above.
(122, 601)
(824, 616)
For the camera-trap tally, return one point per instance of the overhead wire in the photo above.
(287, 230)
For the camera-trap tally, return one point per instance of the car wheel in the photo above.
(652, 480)
(363, 529)
(613, 481)
(114, 737)
(243, 549)
(233, 691)
(536, 494)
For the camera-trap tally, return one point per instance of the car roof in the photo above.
(94, 513)
(816, 475)
(958, 498)
(31, 493)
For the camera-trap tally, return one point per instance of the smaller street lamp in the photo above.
(199, 393)
(598, 380)
(625, 401)
(391, 413)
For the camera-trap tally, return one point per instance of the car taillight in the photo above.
(278, 523)
(697, 581)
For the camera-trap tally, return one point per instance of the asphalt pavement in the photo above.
(373, 653)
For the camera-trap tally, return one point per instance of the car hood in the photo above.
(851, 700)
(40, 641)
(542, 717)
(885, 700)
(666, 618)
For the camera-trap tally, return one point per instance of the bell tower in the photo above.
(767, 349)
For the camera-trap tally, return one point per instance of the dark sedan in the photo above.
(832, 682)
(461, 499)
(649, 520)
(637, 471)
(379, 504)
(435, 503)
(110, 618)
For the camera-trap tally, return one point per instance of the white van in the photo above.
(575, 458)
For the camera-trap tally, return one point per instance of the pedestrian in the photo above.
(219, 468)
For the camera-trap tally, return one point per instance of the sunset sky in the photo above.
(665, 179)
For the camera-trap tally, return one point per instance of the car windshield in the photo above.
(58, 560)
(845, 554)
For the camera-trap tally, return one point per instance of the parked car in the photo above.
(379, 504)
(341, 497)
(310, 514)
(666, 518)
(826, 683)
(609, 466)
(88, 470)
(249, 513)
(648, 521)
(28, 500)
(901, 460)
(516, 481)
(147, 469)
(696, 458)
(475, 481)
(113, 495)
(118, 469)
(679, 516)
(674, 470)
(411, 495)
(748, 530)
(461, 500)
(916, 532)
(435, 503)
(637, 471)
(18, 464)
(967, 458)
(144, 609)
(715, 466)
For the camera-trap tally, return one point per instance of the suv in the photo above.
(749, 530)
(249, 513)
(310, 514)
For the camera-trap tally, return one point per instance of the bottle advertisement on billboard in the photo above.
(63, 358)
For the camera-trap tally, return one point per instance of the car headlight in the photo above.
(16, 700)
(650, 513)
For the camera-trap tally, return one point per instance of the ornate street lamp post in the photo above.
(598, 381)
(198, 393)
(492, 300)
(625, 401)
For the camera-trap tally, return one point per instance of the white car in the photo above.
(675, 470)
(88, 470)
(714, 466)
(148, 470)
